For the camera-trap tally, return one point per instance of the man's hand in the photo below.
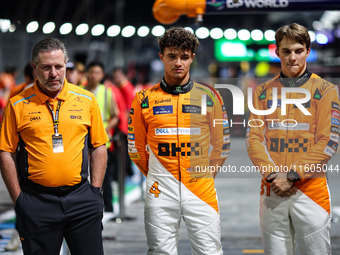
(280, 185)
(292, 191)
(9, 174)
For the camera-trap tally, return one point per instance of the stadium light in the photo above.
(230, 34)
(143, 31)
(202, 32)
(65, 28)
(48, 27)
(82, 29)
(98, 30)
(216, 33)
(113, 31)
(128, 31)
(158, 30)
(32, 27)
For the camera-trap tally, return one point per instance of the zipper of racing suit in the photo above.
(178, 143)
(295, 82)
(287, 129)
(179, 91)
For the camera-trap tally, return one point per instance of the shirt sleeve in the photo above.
(327, 136)
(256, 141)
(220, 133)
(9, 136)
(137, 140)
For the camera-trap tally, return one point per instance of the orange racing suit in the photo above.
(169, 121)
(304, 144)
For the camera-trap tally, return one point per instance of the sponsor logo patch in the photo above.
(132, 150)
(324, 86)
(289, 126)
(76, 117)
(263, 95)
(332, 145)
(225, 154)
(177, 131)
(35, 119)
(131, 143)
(334, 137)
(317, 94)
(182, 149)
(335, 105)
(134, 156)
(329, 151)
(145, 103)
(335, 113)
(288, 145)
(166, 100)
(210, 102)
(226, 139)
(131, 136)
(335, 121)
(166, 109)
(335, 129)
(75, 110)
(225, 123)
(226, 146)
(191, 109)
(131, 129)
(270, 103)
(226, 131)
(190, 169)
(132, 111)
(78, 99)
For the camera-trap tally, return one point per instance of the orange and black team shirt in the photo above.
(28, 124)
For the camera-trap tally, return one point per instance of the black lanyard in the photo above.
(55, 116)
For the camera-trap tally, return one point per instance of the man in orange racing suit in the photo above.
(175, 120)
(292, 148)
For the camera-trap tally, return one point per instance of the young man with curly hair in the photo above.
(174, 120)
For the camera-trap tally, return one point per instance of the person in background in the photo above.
(79, 76)
(167, 120)
(7, 83)
(292, 150)
(69, 72)
(110, 113)
(125, 86)
(30, 77)
(53, 140)
(118, 148)
(75, 73)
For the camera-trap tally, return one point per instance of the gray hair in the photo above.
(48, 45)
